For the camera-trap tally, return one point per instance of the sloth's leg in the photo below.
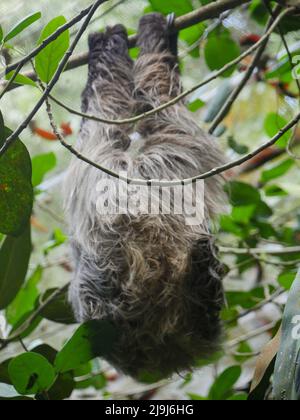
(157, 78)
(109, 90)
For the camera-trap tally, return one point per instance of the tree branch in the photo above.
(187, 92)
(54, 80)
(206, 12)
(235, 94)
(141, 182)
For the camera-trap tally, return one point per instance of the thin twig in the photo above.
(54, 80)
(11, 80)
(108, 11)
(235, 94)
(251, 335)
(141, 182)
(257, 251)
(259, 306)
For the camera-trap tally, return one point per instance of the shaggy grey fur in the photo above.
(154, 277)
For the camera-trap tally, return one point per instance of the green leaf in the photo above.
(134, 52)
(16, 193)
(242, 194)
(96, 382)
(195, 105)
(58, 239)
(237, 147)
(274, 123)
(228, 225)
(196, 397)
(286, 279)
(1, 34)
(245, 300)
(219, 50)
(243, 214)
(191, 36)
(14, 259)
(224, 384)
(92, 339)
(20, 79)
(149, 377)
(238, 397)
(47, 61)
(210, 360)
(259, 12)
(179, 7)
(59, 310)
(28, 21)
(25, 299)
(31, 373)
(41, 165)
(64, 386)
(277, 171)
(33, 326)
(290, 24)
(4, 376)
(46, 351)
(275, 191)
(243, 348)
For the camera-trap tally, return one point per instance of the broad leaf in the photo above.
(31, 373)
(47, 61)
(92, 339)
(179, 7)
(20, 79)
(273, 123)
(277, 171)
(41, 165)
(16, 193)
(25, 300)
(59, 310)
(224, 384)
(220, 49)
(242, 194)
(14, 259)
(1, 34)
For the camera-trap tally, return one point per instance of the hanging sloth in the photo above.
(153, 276)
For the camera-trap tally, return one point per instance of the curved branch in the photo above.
(142, 182)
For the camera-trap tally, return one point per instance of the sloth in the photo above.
(153, 276)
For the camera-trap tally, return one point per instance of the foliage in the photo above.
(258, 215)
